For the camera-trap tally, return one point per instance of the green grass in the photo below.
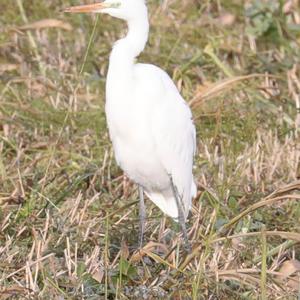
(69, 218)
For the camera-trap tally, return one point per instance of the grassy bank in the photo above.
(68, 216)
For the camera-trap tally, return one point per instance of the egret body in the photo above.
(149, 123)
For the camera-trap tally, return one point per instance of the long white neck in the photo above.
(122, 58)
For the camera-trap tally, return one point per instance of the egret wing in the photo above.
(175, 140)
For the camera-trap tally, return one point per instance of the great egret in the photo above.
(150, 124)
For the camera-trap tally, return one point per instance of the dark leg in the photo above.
(142, 215)
(181, 219)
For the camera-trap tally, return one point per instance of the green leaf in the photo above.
(232, 203)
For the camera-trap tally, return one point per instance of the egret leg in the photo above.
(142, 216)
(181, 218)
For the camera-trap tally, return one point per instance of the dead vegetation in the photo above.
(68, 217)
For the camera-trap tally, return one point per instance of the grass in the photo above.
(68, 216)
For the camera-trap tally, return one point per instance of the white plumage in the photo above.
(150, 124)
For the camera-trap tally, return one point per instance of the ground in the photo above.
(68, 216)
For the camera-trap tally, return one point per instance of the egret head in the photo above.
(122, 9)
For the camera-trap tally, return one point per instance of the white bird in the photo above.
(150, 124)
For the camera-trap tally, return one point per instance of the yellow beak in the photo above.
(89, 8)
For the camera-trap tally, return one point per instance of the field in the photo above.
(68, 215)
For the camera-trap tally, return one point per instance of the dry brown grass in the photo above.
(68, 217)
